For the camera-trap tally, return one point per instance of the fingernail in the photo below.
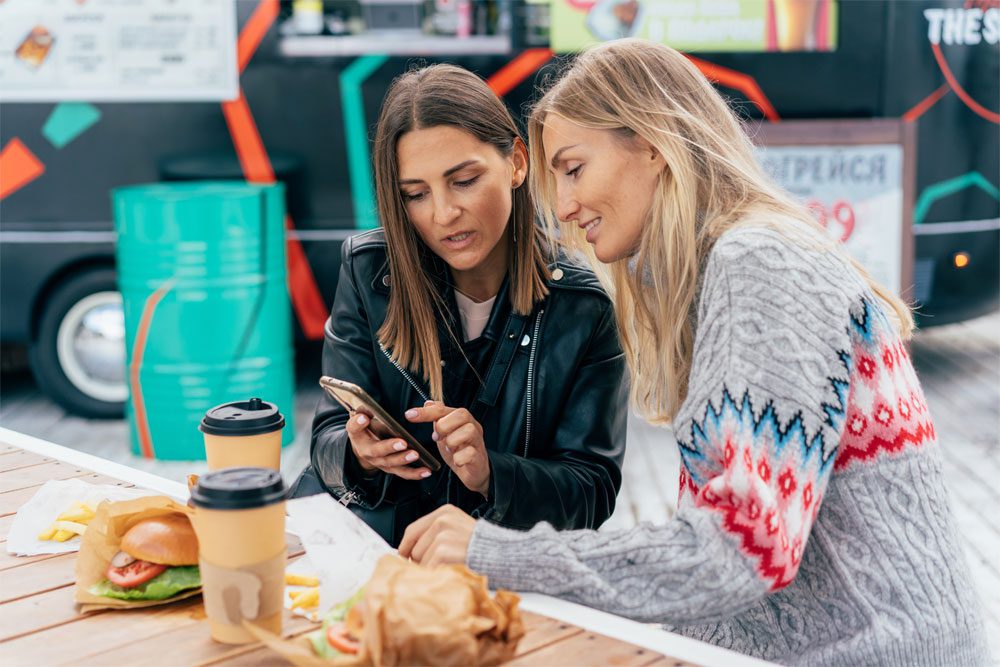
(411, 414)
(362, 420)
(412, 456)
(434, 436)
(399, 445)
(425, 474)
(428, 402)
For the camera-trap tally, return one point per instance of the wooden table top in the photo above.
(39, 623)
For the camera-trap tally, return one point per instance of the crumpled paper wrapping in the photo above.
(416, 615)
(101, 542)
(52, 499)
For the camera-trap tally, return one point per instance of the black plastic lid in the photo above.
(238, 489)
(251, 417)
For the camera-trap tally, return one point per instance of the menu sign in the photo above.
(855, 192)
(698, 25)
(117, 50)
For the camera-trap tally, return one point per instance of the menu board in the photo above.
(117, 50)
(856, 193)
(698, 25)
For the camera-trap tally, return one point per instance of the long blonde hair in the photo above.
(443, 95)
(711, 183)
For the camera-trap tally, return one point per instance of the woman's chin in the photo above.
(462, 261)
(607, 255)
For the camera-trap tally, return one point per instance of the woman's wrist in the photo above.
(484, 488)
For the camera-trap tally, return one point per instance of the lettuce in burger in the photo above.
(158, 559)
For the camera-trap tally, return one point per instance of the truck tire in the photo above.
(78, 354)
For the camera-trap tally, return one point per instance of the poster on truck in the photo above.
(746, 26)
(117, 50)
(856, 194)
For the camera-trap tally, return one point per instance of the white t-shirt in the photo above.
(474, 314)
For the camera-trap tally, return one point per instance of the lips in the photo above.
(591, 228)
(459, 241)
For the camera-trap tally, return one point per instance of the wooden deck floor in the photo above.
(959, 366)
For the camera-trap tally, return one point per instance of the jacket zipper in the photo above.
(530, 387)
(403, 372)
(348, 498)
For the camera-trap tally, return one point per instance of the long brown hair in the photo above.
(421, 99)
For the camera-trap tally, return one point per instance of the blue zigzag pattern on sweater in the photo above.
(793, 430)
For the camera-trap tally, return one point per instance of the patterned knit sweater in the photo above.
(813, 525)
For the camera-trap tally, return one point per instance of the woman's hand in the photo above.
(438, 538)
(460, 440)
(389, 455)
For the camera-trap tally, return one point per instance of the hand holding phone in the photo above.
(378, 441)
(389, 454)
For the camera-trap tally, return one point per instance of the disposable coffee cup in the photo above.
(243, 434)
(239, 518)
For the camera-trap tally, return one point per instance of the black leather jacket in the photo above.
(550, 395)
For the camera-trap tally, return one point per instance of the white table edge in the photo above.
(640, 634)
(120, 471)
(616, 627)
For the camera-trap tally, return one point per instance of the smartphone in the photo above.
(355, 400)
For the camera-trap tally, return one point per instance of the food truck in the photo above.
(882, 116)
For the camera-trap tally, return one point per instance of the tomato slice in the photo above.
(338, 638)
(135, 573)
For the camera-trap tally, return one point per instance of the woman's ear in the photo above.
(649, 153)
(519, 160)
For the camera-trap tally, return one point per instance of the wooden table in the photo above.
(39, 623)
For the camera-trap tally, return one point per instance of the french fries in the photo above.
(306, 599)
(69, 524)
(300, 580)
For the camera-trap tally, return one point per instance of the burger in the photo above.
(158, 559)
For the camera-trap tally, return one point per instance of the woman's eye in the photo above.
(467, 183)
(574, 171)
(413, 197)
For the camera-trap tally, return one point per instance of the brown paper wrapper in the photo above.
(415, 615)
(298, 651)
(101, 542)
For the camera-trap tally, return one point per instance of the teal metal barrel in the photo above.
(201, 269)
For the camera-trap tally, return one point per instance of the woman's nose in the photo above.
(445, 211)
(567, 207)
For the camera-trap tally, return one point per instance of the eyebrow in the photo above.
(555, 158)
(448, 172)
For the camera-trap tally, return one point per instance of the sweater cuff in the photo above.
(504, 555)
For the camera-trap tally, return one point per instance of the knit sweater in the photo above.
(813, 525)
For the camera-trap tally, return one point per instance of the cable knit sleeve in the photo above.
(758, 433)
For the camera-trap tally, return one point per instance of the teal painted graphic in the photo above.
(356, 134)
(932, 193)
(68, 121)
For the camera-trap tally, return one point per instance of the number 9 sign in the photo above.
(841, 213)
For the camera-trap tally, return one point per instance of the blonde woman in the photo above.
(813, 525)
(498, 356)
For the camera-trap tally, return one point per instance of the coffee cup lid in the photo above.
(251, 417)
(238, 489)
